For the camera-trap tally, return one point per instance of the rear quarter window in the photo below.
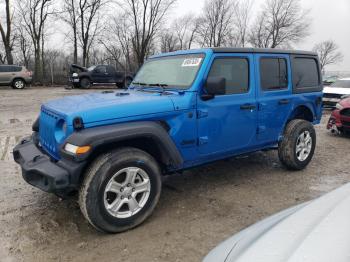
(306, 75)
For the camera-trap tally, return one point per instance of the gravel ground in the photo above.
(197, 210)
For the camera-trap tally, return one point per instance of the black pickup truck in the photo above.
(97, 75)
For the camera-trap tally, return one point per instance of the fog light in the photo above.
(76, 150)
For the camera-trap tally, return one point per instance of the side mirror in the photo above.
(214, 86)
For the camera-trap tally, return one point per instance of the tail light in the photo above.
(29, 73)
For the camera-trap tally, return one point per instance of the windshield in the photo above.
(91, 68)
(341, 83)
(173, 71)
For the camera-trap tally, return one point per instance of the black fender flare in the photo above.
(111, 134)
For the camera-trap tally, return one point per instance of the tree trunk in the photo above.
(38, 74)
(75, 54)
(9, 56)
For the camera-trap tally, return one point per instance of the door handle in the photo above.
(283, 102)
(247, 107)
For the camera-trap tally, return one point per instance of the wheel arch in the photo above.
(302, 112)
(18, 78)
(151, 137)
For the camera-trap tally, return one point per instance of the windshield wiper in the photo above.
(160, 85)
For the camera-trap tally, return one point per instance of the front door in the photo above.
(227, 123)
(101, 75)
(274, 95)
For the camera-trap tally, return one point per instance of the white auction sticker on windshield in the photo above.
(192, 61)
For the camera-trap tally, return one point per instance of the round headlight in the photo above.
(74, 75)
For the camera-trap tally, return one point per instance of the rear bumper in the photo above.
(40, 171)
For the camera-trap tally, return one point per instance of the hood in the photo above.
(108, 106)
(73, 68)
(318, 231)
(336, 90)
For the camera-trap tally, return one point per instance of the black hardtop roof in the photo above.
(261, 50)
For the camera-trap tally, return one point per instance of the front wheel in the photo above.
(297, 147)
(120, 190)
(85, 83)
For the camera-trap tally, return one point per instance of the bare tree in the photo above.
(280, 23)
(185, 29)
(169, 42)
(71, 17)
(146, 18)
(34, 15)
(51, 57)
(89, 18)
(6, 36)
(328, 53)
(242, 13)
(216, 22)
(24, 46)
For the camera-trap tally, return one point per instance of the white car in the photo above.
(316, 231)
(335, 92)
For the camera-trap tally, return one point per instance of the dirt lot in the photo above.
(197, 210)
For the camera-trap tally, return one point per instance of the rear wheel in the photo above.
(120, 190)
(18, 84)
(298, 144)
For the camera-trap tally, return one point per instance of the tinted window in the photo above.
(273, 73)
(305, 72)
(16, 68)
(101, 69)
(110, 70)
(8, 68)
(235, 71)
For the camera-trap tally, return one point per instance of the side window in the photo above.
(273, 73)
(16, 69)
(110, 70)
(101, 69)
(236, 72)
(305, 73)
(5, 69)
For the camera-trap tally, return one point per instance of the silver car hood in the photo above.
(317, 231)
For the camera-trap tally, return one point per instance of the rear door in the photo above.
(227, 123)
(274, 95)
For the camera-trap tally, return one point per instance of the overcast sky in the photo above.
(330, 20)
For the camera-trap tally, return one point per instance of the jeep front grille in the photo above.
(48, 121)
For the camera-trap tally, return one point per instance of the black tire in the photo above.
(85, 83)
(18, 84)
(287, 148)
(92, 192)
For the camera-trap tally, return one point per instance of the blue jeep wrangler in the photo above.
(183, 109)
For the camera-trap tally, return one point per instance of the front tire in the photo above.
(297, 147)
(85, 83)
(120, 190)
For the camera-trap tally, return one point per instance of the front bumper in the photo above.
(330, 102)
(40, 171)
(338, 121)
